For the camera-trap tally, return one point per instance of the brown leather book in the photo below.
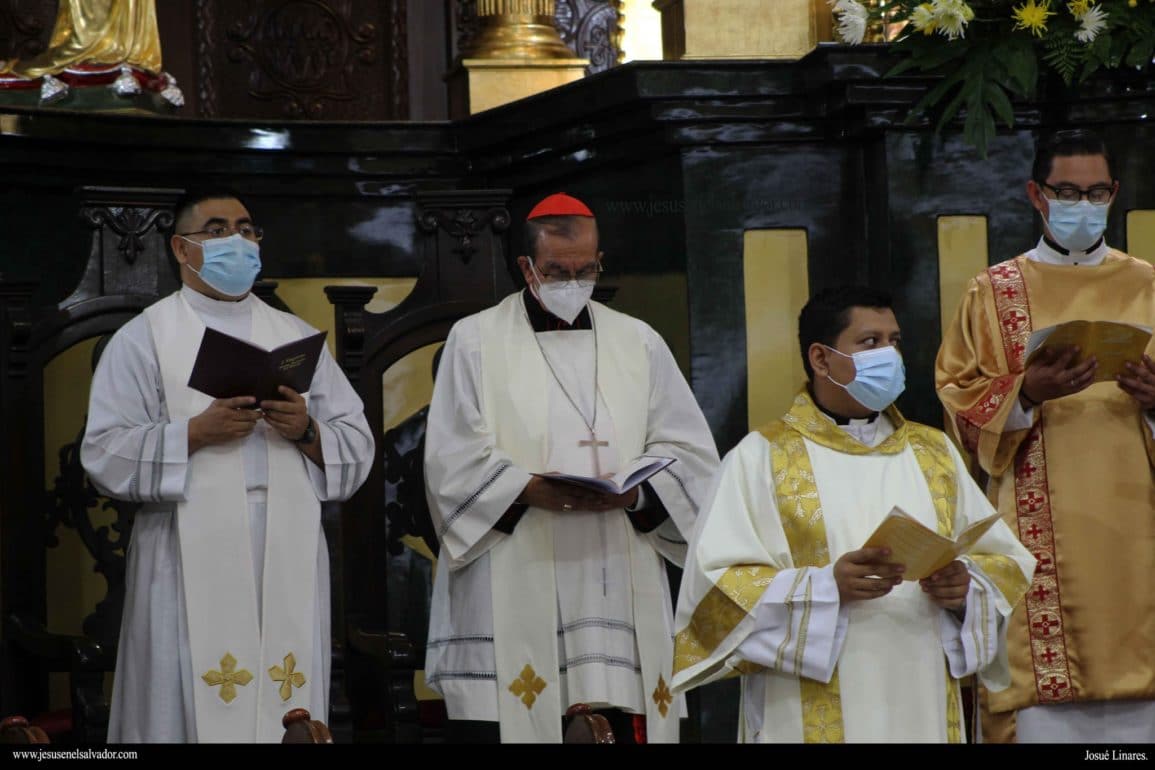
(227, 367)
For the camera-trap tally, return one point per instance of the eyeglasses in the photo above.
(248, 231)
(588, 274)
(1069, 195)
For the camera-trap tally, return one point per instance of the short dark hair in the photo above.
(196, 195)
(1066, 144)
(564, 226)
(827, 315)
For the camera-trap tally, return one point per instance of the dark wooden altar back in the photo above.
(128, 268)
(464, 269)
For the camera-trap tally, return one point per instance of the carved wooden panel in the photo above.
(25, 26)
(465, 23)
(309, 59)
(592, 29)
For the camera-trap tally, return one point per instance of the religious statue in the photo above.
(97, 42)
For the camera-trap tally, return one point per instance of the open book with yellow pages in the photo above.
(922, 550)
(1110, 342)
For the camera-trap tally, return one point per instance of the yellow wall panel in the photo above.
(962, 254)
(777, 285)
(1141, 234)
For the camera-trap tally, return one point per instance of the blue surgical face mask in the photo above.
(880, 377)
(230, 264)
(1077, 227)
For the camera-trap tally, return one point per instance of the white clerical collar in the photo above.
(1047, 254)
(202, 303)
(867, 431)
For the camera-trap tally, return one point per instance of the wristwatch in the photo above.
(309, 436)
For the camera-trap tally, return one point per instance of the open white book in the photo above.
(922, 550)
(1111, 342)
(621, 482)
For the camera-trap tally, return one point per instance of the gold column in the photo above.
(516, 53)
(743, 29)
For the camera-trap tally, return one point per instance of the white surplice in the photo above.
(133, 451)
(472, 482)
(888, 652)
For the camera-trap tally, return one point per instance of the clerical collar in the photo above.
(839, 419)
(544, 321)
(217, 307)
(1053, 254)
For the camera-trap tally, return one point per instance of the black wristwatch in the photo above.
(309, 436)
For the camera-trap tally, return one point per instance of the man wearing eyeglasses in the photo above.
(226, 612)
(548, 595)
(1069, 455)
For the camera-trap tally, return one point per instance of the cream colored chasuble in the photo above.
(244, 664)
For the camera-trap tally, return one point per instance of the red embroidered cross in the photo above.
(1032, 502)
(1013, 321)
(1044, 561)
(1049, 656)
(1002, 271)
(1034, 531)
(1009, 293)
(1055, 686)
(1045, 623)
(1018, 349)
(1040, 593)
(1028, 469)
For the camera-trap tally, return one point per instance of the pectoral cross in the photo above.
(593, 444)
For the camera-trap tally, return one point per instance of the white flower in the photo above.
(951, 17)
(852, 18)
(1092, 23)
(922, 19)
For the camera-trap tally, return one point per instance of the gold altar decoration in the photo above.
(96, 43)
(517, 29)
(517, 53)
(111, 32)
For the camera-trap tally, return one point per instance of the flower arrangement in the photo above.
(990, 51)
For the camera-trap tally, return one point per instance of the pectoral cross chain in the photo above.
(593, 444)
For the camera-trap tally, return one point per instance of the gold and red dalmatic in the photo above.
(971, 422)
(1032, 497)
(1014, 314)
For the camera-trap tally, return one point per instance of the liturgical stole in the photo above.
(245, 673)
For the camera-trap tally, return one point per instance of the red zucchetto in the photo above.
(560, 205)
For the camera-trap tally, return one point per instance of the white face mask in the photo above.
(565, 299)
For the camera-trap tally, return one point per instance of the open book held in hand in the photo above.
(621, 482)
(922, 550)
(1110, 342)
(227, 367)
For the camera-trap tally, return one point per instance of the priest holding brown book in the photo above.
(226, 610)
(1069, 453)
(549, 594)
